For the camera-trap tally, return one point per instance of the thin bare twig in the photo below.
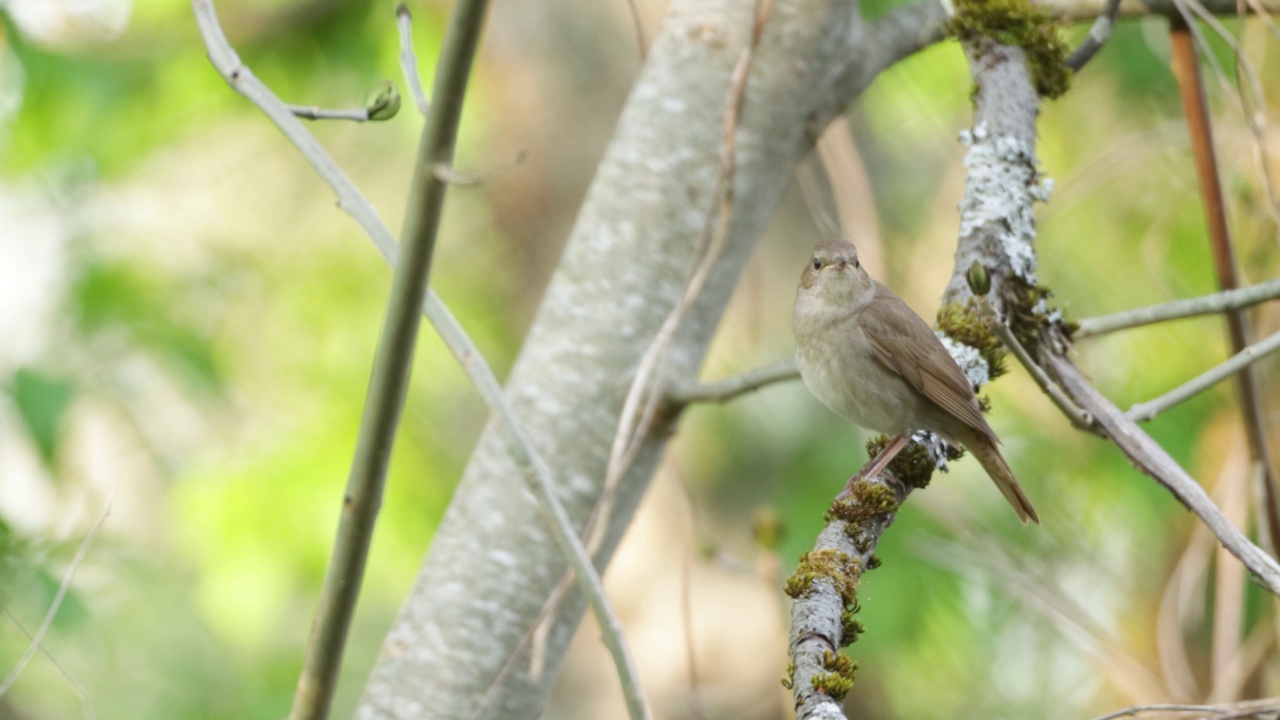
(408, 60)
(1080, 419)
(383, 103)
(453, 177)
(1142, 412)
(311, 112)
(1178, 309)
(1246, 709)
(722, 391)
(638, 23)
(533, 469)
(57, 599)
(86, 699)
(1098, 36)
(539, 477)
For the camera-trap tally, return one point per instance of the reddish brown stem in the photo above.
(1186, 68)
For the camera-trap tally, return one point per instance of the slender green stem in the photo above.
(1178, 309)
(392, 363)
(533, 469)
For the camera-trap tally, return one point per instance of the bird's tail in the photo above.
(993, 462)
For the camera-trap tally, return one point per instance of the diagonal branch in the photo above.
(1153, 460)
(644, 397)
(57, 599)
(1080, 419)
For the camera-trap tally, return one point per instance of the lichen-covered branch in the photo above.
(825, 589)
(997, 230)
(908, 28)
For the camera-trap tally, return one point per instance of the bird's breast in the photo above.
(848, 380)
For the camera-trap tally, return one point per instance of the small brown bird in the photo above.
(867, 355)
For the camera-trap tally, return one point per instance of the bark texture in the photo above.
(493, 563)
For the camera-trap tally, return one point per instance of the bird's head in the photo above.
(834, 273)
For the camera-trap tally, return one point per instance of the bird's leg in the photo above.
(875, 466)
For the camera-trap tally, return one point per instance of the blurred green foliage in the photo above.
(41, 402)
(216, 319)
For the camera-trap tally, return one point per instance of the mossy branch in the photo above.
(1017, 23)
(825, 589)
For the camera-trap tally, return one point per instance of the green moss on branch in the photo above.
(1017, 23)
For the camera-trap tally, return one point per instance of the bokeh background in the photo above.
(187, 325)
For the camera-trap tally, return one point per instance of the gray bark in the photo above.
(493, 563)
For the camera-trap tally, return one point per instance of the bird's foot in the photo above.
(875, 465)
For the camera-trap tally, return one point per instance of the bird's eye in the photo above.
(857, 264)
(817, 264)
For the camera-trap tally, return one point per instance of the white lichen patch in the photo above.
(1042, 309)
(1001, 186)
(936, 447)
(969, 359)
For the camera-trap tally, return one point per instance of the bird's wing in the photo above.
(904, 344)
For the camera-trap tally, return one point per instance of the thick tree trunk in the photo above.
(493, 563)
